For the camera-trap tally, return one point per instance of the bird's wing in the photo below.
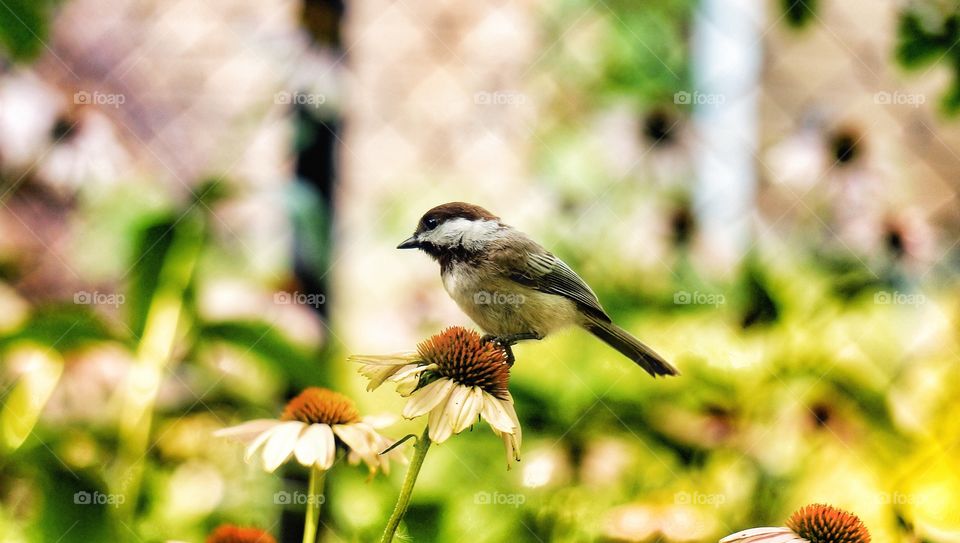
(547, 273)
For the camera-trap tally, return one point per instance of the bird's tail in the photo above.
(631, 347)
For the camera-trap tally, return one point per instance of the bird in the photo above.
(512, 287)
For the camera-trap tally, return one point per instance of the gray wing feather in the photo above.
(547, 273)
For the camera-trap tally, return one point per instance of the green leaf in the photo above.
(152, 248)
(23, 405)
(63, 327)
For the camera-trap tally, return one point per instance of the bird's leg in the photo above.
(506, 342)
(513, 338)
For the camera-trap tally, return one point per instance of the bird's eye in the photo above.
(431, 222)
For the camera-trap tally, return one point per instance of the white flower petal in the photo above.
(354, 437)
(409, 372)
(395, 359)
(427, 398)
(280, 446)
(407, 386)
(328, 452)
(379, 368)
(511, 438)
(517, 431)
(442, 417)
(496, 414)
(383, 420)
(248, 431)
(310, 445)
(763, 534)
(470, 410)
(377, 374)
(365, 443)
(433, 424)
(258, 442)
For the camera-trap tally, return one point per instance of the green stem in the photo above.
(314, 501)
(403, 502)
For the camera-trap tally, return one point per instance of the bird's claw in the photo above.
(503, 343)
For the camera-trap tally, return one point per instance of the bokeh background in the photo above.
(199, 204)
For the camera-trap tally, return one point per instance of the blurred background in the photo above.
(199, 204)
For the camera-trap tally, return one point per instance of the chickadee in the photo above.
(512, 287)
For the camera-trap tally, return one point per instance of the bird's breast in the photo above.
(501, 306)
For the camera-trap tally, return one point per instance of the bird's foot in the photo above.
(506, 342)
(503, 344)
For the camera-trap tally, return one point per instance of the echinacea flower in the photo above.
(228, 533)
(817, 523)
(313, 425)
(455, 378)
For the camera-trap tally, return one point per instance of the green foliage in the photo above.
(24, 25)
(930, 36)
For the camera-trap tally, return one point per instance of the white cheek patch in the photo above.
(472, 235)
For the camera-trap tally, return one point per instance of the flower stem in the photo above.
(314, 501)
(403, 501)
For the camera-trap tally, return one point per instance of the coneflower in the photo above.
(313, 426)
(455, 378)
(816, 523)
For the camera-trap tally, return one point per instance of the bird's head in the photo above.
(454, 227)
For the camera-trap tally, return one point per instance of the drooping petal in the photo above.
(427, 398)
(468, 414)
(408, 386)
(353, 437)
(442, 417)
(310, 445)
(410, 371)
(379, 368)
(394, 359)
(377, 374)
(258, 442)
(518, 431)
(328, 451)
(248, 431)
(280, 446)
(383, 420)
(496, 414)
(433, 422)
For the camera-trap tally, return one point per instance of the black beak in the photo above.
(409, 243)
